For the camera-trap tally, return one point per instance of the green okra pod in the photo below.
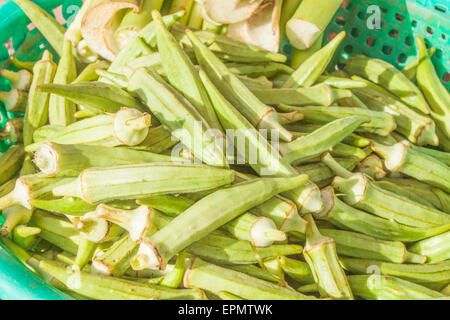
(85, 252)
(213, 278)
(259, 83)
(89, 73)
(174, 278)
(341, 82)
(320, 94)
(14, 216)
(168, 204)
(70, 160)
(178, 115)
(252, 270)
(36, 114)
(442, 156)
(155, 251)
(25, 236)
(110, 288)
(320, 254)
(436, 248)
(14, 101)
(372, 166)
(319, 141)
(260, 115)
(348, 218)
(433, 276)
(390, 78)
(297, 270)
(374, 122)
(117, 79)
(379, 287)
(20, 80)
(19, 64)
(144, 180)
(158, 140)
(268, 69)
(13, 130)
(313, 67)
(411, 162)
(61, 111)
(11, 162)
(320, 174)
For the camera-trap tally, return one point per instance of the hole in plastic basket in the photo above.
(348, 49)
(340, 21)
(386, 50)
(401, 58)
(414, 24)
(446, 77)
(443, 36)
(438, 53)
(371, 42)
(440, 8)
(393, 33)
(409, 41)
(346, 5)
(362, 15)
(430, 30)
(355, 32)
(383, 9)
(399, 17)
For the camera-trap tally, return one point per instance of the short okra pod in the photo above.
(320, 174)
(313, 67)
(66, 205)
(390, 78)
(15, 101)
(380, 287)
(144, 180)
(110, 288)
(20, 80)
(436, 249)
(36, 114)
(70, 160)
(320, 254)
(155, 251)
(11, 162)
(13, 130)
(400, 158)
(14, 216)
(213, 278)
(320, 94)
(349, 218)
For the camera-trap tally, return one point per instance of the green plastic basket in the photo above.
(399, 21)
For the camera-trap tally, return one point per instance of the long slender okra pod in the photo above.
(140, 181)
(155, 251)
(13, 130)
(260, 115)
(313, 67)
(61, 111)
(70, 160)
(14, 101)
(400, 158)
(37, 109)
(109, 288)
(379, 287)
(320, 254)
(436, 249)
(216, 279)
(320, 140)
(178, 115)
(433, 276)
(20, 80)
(390, 78)
(300, 56)
(346, 217)
(89, 72)
(86, 250)
(11, 162)
(341, 82)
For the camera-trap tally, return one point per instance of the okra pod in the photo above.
(320, 94)
(400, 158)
(372, 166)
(213, 278)
(379, 287)
(390, 78)
(442, 156)
(14, 216)
(89, 73)
(313, 67)
(436, 249)
(13, 130)
(70, 160)
(168, 204)
(36, 114)
(268, 69)
(155, 251)
(20, 80)
(320, 174)
(341, 82)
(297, 270)
(374, 121)
(253, 271)
(174, 278)
(348, 218)
(14, 101)
(66, 205)
(11, 162)
(140, 181)
(320, 254)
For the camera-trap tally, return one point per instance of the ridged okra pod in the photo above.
(380, 287)
(436, 249)
(297, 270)
(14, 101)
(390, 78)
(374, 122)
(320, 174)
(268, 69)
(358, 245)
(61, 111)
(70, 160)
(313, 67)
(319, 141)
(11, 162)
(442, 156)
(144, 180)
(433, 276)
(207, 215)
(96, 229)
(400, 158)
(110, 288)
(260, 115)
(341, 82)
(89, 73)
(320, 254)
(25, 236)
(321, 95)
(13, 130)
(346, 217)
(213, 278)
(178, 115)
(36, 114)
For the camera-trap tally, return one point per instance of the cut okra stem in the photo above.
(14, 101)
(373, 167)
(341, 82)
(27, 65)
(13, 130)
(20, 80)
(297, 270)
(13, 217)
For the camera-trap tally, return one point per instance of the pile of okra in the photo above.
(186, 164)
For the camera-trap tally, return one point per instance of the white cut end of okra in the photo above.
(99, 267)
(396, 157)
(230, 11)
(14, 216)
(92, 227)
(131, 126)
(353, 188)
(264, 232)
(46, 159)
(302, 34)
(147, 257)
(328, 203)
(22, 194)
(18, 80)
